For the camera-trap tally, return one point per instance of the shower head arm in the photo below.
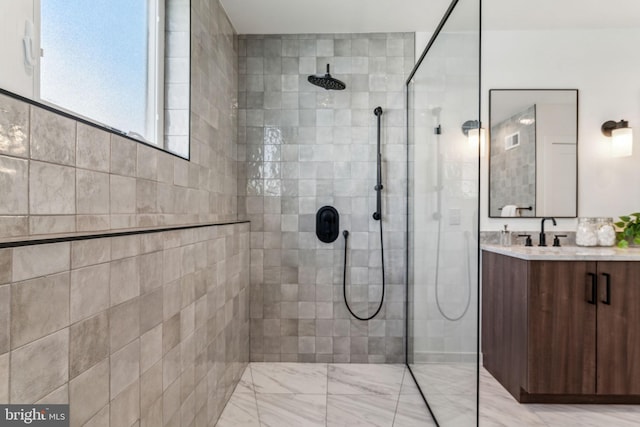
(325, 81)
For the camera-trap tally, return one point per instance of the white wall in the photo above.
(15, 75)
(604, 65)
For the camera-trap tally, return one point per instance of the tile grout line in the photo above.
(28, 158)
(395, 413)
(255, 394)
(326, 407)
(9, 350)
(69, 336)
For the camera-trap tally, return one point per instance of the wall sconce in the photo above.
(621, 137)
(476, 135)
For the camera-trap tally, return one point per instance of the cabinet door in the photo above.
(619, 328)
(562, 328)
(504, 319)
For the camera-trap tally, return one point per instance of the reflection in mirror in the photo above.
(533, 152)
(120, 64)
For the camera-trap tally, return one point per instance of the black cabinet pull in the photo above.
(594, 288)
(607, 299)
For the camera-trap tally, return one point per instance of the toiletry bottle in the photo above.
(505, 237)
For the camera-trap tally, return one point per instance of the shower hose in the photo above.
(345, 233)
(468, 303)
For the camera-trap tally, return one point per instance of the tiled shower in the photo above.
(307, 147)
(146, 282)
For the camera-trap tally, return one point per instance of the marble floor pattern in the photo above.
(318, 394)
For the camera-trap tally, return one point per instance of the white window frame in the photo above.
(155, 71)
(154, 119)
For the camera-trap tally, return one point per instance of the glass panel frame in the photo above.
(443, 181)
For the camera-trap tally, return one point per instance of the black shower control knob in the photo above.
(327, 224)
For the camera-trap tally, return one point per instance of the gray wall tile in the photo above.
(302, 156)
(14, 127)
(14, 181)
(39, 367)
(52, 189)
(88, 343)
(38, 308)
(88, 393)
(4, 377)
(93, 150)
(5, 310)
(53, 137)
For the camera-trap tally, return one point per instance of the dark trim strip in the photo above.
(16, 244)
(478, 258)
(435, 35)
(435, 420)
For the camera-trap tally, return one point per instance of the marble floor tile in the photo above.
(502, 410)
(588, 415)
(365, 379)
(292, 410)
(361, 410)
(498, 408)
(241, 411)
(246, 383)
(408, 384)
(453, 410)
(307, 378)
(446, 378)
(385, 395)
(412, 412)
(489, 385)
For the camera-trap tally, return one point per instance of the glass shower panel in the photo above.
(443, 193)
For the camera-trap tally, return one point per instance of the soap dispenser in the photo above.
(505, 236)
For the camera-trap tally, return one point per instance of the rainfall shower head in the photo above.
(326, 81)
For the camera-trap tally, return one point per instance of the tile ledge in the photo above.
(63, 237)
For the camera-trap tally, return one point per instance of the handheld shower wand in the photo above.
(377, 215)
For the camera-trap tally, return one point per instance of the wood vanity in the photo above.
(562, 325)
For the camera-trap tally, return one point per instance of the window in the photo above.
(103, 61)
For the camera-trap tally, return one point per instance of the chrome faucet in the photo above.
(543, 239)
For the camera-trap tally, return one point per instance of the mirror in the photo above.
(533, 148)
(120, 65)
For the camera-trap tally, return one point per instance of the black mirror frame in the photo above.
(488, 139)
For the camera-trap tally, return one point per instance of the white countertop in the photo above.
(565, 253)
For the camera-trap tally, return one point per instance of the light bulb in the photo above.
(477, 136)
(621, 142)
